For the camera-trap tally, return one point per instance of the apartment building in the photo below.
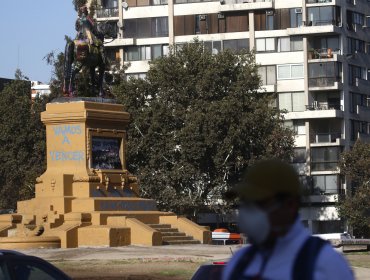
(314, 53)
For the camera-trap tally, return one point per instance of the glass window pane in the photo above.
(271, 75)
(260, 45)
(296, 43)
(270, 44)
(298, 101)
(285, 101)
(284, 44)
(165, 50)
(297, 71)
(262, 74)
(157, 51)
(283, 71)
(331, 183)
(230, 44)
(216, 47)
(319, 184)
(326, 15)
(243, 44)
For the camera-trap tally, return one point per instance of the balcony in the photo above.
(327, 139)
(321, 84)
(314, 114)
(324, 106)
(309, 29)
(231, 5)
(324, 53)
(107, 13)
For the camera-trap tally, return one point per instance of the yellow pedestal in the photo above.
(86, 185)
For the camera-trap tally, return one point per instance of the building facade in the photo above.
(315, 54)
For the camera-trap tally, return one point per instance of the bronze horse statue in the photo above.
(86, 50)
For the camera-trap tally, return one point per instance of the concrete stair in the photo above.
(172, 236)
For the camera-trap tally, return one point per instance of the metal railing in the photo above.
(323, 81)
(328, 106)
(324, 166)
(107, 12)
(327, 137)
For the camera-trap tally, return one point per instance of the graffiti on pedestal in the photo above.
(63, 133)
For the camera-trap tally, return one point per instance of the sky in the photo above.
(30, 29)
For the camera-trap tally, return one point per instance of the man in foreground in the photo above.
(281, 248)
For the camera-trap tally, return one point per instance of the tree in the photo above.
(355, 206)
(197, 120)
(22, 142)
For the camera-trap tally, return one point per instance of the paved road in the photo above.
(183, 252)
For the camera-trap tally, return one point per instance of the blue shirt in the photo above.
(280, 260)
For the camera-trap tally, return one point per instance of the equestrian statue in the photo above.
(87, 50)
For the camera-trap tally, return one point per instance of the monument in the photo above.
(87, 197)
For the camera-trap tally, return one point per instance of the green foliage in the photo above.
(355, 206)
(22, 143)
(197, 121)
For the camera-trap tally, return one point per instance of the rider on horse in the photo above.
(89, 51)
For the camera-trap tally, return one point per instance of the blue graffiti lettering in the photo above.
(67, 156)
(65, 140)
(67, 129)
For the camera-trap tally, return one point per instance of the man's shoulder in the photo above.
(234, 260)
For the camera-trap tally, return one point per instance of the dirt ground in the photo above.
(154, 263)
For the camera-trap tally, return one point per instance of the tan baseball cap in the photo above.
(266, 179)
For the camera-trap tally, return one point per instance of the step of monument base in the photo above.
(181, 242)
(103, 236)
(113, 204)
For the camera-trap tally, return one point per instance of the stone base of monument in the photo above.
(87, 197)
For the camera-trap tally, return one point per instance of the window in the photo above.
(359, 127)
(159, 2)
(287, 44)
(236, 45)
(295, 17)
(267, 74)
(357, 99)
(269, 20)
(292, 101)
(324, 74)
(136, 53)
(299, 155)
(324, 158)
(284, 44)
(356, 72)
(146, 27)
(289, 71)
(213, 46)
(325, 184)
(299, 127)
(355, 45)
(326, 15)
(296, 43)
(265, 45)
(135, 76)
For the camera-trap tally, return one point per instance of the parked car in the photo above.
(17, 266)
(224, 237)
(209, 271)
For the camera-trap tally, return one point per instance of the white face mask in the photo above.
(255, 223)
